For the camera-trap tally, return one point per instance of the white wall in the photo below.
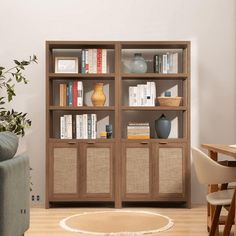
(210, 24)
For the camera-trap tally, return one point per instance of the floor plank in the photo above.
(187, 222)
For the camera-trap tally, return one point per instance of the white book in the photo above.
(145, 95)
(80, 93)
(164, 64)
(135, 89)
(139, 94)
(104, 61)
(86, 61)
(94, 60)
(131, 96)
(90, 60)
(149, 100)
(175, 63)
(85, 126)
(68, 126)
(79, 126)
(62, 127)
(153, 93)
(94, 126)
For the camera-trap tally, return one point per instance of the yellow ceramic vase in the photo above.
(98, 98)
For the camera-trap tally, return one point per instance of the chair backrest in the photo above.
(209, 171)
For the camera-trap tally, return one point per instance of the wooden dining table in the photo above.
(213, 151)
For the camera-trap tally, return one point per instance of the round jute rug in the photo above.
(117, 223)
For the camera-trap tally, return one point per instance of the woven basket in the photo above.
(169, 101)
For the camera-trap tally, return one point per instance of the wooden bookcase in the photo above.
(119, 170)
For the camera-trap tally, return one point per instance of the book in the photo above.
(80, 93)
(70, 93)
(75, 93)
(62, 127)
(104, 60)
(62, 95)
(99, 60)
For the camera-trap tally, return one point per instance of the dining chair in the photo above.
(210, 172)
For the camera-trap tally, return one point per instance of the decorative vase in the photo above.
(162, 126)
(138, 64)
(98, 97)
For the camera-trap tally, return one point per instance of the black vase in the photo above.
(162, 126)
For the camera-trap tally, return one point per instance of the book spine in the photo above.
(89, 126)
(75, 93)
(70, 93)
(131, 96)
(85, 126)
(153, 93)
(80, 93)
(99, 60)
(68, 126)
(165, 64)
(83, 65)
(104, 61)
(61, 94)
(135, 98)
(73, 126)
(90, 60)
(77, 127)
(86, 62)
(94, 126)
(62, 127)
(94, 60)
(148, 97)
(175, 63)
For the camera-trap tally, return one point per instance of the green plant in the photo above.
(11, 120)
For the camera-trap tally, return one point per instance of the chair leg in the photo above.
(215, 220)
(230, 218)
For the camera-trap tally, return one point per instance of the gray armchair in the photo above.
(14, 191)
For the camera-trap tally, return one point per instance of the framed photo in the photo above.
(66, 64)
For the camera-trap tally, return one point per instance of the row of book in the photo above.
(94, 60)
(78, 126)
(166, 63)
(138, 130)
(71, 94)
(142, 94)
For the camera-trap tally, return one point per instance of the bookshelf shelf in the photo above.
(148, 169)
(156, 108)
(82, 76)
(155, 76)
(82, 108)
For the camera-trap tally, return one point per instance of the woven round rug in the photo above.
(117, 223)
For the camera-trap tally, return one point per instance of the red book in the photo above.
(75, 93)
(99, 60)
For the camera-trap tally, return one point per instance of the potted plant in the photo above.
(11, 120)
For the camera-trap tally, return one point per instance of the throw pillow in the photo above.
(8, 145)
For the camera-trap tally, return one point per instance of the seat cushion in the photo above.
(223, 197)
(8, 145)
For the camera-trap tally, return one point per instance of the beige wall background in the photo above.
(209, 24)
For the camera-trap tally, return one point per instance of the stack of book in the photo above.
(94, 60)
(71, 94)
(142, 94)
(79, 126)
(138, 130)
(166, 63)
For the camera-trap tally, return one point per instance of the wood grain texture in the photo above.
(187, 222)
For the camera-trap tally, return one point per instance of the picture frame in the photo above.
(66, 65)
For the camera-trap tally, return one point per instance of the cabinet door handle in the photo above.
(162, 142)
(71, 142)
(144, 142)
(91, 142)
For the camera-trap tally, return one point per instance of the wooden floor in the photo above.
(187, 222)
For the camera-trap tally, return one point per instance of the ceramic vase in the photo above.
(163, 127)
(98, 97)
(138, 65)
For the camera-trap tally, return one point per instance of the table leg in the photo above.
(212, 188)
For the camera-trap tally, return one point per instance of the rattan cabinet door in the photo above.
(97, 171)
(137, 171)
(63, 172)
(170, 170)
